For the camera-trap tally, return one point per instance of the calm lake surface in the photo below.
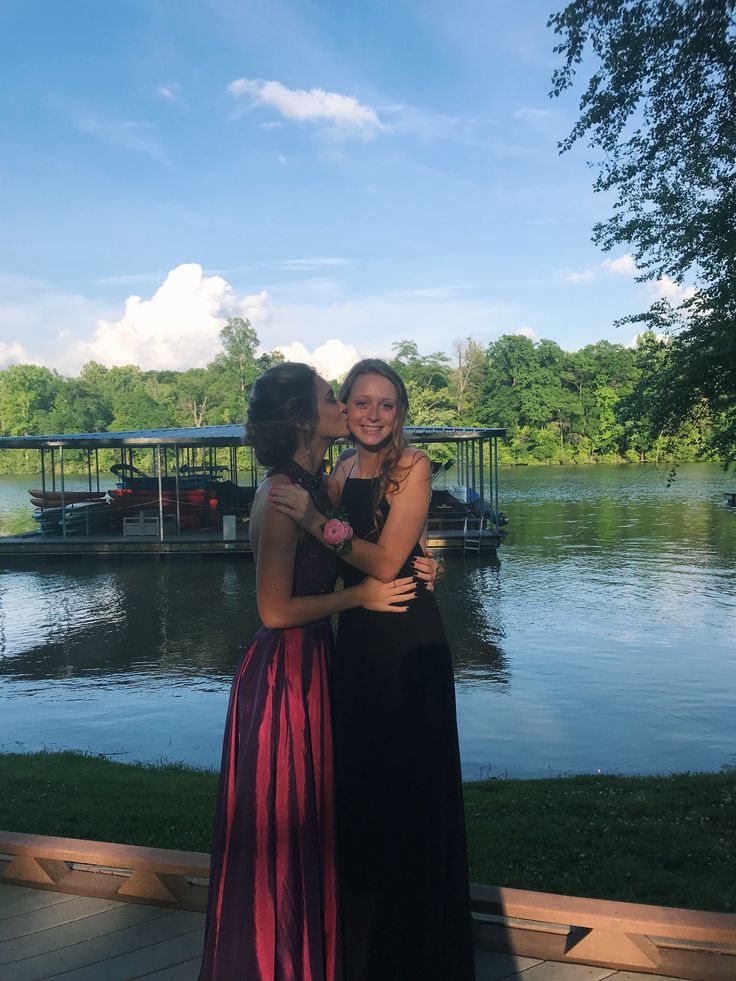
(602, 637)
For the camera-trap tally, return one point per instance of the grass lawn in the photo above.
(664, 840)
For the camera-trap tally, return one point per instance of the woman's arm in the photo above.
(277, 538)
(404, 526)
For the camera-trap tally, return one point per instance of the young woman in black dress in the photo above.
(401, 834)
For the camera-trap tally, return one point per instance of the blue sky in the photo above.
(346, 175)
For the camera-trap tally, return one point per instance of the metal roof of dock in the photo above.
(190, 436)
(211, 436)
(449, 434)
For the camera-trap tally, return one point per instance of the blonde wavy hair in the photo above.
(391, 473)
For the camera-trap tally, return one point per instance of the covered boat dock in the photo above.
(195, 495)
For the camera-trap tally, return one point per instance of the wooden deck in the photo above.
(517, 933)
(55, 935)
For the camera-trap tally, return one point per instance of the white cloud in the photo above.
(581, 277)
(623, 266)
(529, 332)
(128, 279)
(129, 135)
(13, 353)
(533, 115)
(170, 92)
(319, 262)
(333, 359)
(342, 113)
(176, 328)
(371, 324)
(428, 126)
(177, 325)
(634, 342)
(667, 289)
(33, 318)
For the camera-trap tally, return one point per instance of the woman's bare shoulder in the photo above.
(412, 457)
(272, 480)
(343, 463)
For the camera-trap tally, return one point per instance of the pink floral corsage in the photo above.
(337, 532)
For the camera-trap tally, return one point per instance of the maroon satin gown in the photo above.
(272, 912)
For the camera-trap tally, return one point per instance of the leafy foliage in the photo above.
(660, 106)
(592, 405)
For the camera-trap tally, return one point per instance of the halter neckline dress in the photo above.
(401, 829)
(272, 910)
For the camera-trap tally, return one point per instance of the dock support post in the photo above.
(160, 494)
(176, 474)
(495, 456)
(482, 482)
(63, 500)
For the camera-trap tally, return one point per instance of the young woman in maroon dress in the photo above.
(273, 905)
(401, 830)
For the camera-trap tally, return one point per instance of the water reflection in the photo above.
(470, 600)
(147, 616)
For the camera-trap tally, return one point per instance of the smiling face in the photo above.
(332, 420)
(372, 410)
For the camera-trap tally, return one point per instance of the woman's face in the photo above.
(332, 420)
(372, 407)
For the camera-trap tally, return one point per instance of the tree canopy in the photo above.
(558, 406)
(659, 107)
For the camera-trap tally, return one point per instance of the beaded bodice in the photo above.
(315, 567)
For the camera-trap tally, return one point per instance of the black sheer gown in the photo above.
(401, 831)
(273, 911)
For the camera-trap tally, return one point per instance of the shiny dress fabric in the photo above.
(272, 911)
(401, 829)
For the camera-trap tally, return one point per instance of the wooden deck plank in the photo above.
(17, 900)
(137, 963)
(27, 923)
(188, 971)
(499, 967)
(67, 934)
(134, 941)
(10, 890)
(555, 971)
(59, 937)
(633, 976)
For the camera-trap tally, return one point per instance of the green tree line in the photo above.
(557, 406)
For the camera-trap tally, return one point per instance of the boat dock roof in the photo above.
(189, 436)
(213, 436)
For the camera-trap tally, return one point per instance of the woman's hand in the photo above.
(294, 501)
(382, 597)
(428, 569)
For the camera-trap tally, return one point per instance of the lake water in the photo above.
(602, 637)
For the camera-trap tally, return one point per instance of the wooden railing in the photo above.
(626, 936)
(157, 876)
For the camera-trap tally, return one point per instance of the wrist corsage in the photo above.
(337, 532)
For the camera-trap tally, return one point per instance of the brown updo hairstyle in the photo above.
(391, 473)
(282, 402)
